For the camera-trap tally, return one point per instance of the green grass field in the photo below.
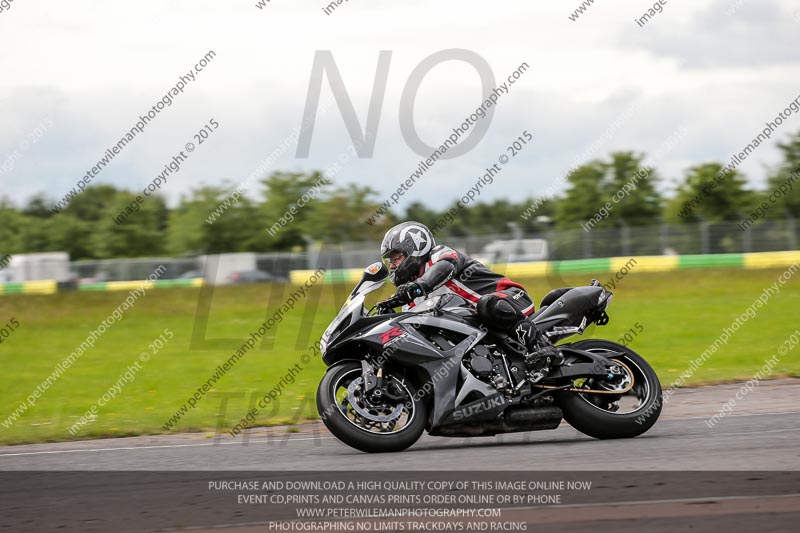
(679, 315)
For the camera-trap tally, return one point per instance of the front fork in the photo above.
(376, 387)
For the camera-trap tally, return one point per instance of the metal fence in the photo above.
(663, 239)
(666, 239)
(135, 269)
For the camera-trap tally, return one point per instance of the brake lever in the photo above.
(388, 305)
(385, 310)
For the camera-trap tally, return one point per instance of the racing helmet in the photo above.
(412, 239)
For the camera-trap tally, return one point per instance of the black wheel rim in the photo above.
(636, 399)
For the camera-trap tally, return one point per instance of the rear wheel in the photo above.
(364, 421)
(614, 416)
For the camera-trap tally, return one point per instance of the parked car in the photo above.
(514, 251)
(255, 276)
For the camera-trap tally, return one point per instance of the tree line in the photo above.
(604, 192)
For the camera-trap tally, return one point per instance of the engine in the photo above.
(490, 366)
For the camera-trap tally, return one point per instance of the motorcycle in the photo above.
(435, 368)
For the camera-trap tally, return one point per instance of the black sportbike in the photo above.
(392, 376)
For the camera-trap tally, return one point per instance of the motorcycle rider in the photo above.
(419, 269)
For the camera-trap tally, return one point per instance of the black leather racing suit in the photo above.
(501, 303)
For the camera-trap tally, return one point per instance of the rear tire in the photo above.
(590, 414)
(348, 426)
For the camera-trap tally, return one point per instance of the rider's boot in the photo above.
(540, 354)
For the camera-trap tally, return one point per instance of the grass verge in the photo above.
(679, 314)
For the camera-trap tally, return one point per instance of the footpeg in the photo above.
(545, 356)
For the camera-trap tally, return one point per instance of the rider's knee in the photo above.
(496, 312)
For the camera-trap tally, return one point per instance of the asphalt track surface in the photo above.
(762, 433)
(666, 480)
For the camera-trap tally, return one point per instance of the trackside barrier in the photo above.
(51, 286)
(650, 263)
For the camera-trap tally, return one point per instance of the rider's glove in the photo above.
(407, 292)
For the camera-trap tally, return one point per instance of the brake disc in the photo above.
(356, 401)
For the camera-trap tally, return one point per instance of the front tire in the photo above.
(597, 415)
(362, 423)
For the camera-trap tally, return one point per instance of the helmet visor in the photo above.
(394, 259)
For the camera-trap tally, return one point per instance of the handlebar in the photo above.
(394, 301)
(388, 304)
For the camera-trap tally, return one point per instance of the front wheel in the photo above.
(609, 415)
(364, 421)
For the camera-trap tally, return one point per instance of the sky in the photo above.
(75, 76)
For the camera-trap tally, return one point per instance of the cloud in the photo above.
(93, 68)
(726, 33)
